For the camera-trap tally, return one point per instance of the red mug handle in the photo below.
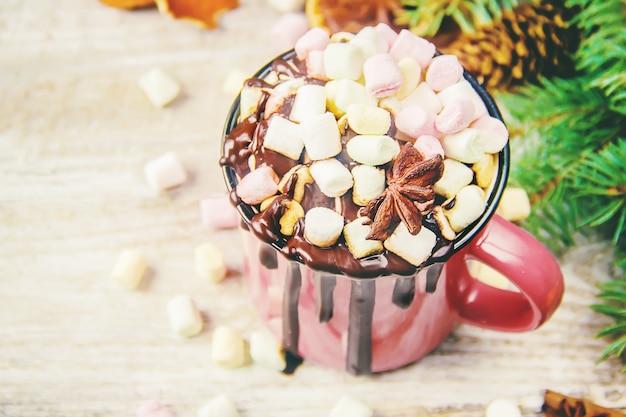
(522, 259)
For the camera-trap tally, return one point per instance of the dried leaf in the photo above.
(204, 13)
(560, 405)
(128, 4)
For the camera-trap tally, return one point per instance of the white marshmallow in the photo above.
(371, 41)
(287, 6)
(355, 234)
(343, 60)
(455, 176)
(495, 132)
(266, 351)
(368, 120)
(332, 177)
(209, 263)
(340, 94)
(514, 204)
(463, 89)
(372, 149)
(369, 183)
(310, 101)
(415, 249)
(184, 316)
(391, 104)
(249, 99)
(321, 136)
(228, 349)
(411, 75)
(165, 172)
(466, 146)
(159, 86)
(220, 406)
(129, 269)
(322, 226)
(284, 137)
(423, 96)
(468, 206)
(502, 408)
(234, 81)
(258, 185)
(349, 407)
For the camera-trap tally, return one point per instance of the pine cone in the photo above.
(528, 41)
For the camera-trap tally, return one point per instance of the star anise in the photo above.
(409, 182)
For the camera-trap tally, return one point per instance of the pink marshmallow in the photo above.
(455, 117)
(429, 146)
(416, 121)
(316, 39)
(288, 29)
(382, 75)
(388, 33)
(443, 71)
(258, 185)
(153, 409)
(409, 45)
(495, 132)
(218, 213)
(315, 65)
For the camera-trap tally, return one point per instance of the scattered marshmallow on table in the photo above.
(258, 185)
(209, 263)
(185, 319)
(233, 83)
(165, 172)
(288, 29)
(129, 269)
(514, 204)
(153, 408)
(322, 226)
(217, 213)
(503, 408)
(160, 88)
(382, 75)
(265, 351)
(228, 348)
(350, 407)
(287, 6)
(220, 406)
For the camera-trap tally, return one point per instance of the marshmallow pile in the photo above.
(342, 122)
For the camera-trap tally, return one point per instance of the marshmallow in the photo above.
(310, 101)
(409, 45)
(368, 120)
(234, 81)
(416, 121)
(342, 37)
(165, 172)
(322, 226)
(415, 249)
(249, 99)
(159, 86)
(467, 206)
(316, 39)
(342, 93)
(343, 60)
(429, 146)
(443, 224)
(283, 136)
(388, 33)
(466, 146)
(184, 316)
(258, 185)
(218, 213)
(463, 89)
(228, 349)
(288, 29)
(455, 117)
(502, 407)
(495, 132)
(349, 407)
(315, 65)
(443, 71)
(514, 204)
(411, 76)
(266, 351)
(220, 406)
(129, 269)
(355, 233)
(369, 183)
(372, 149)
(153, 409)
(287, 6)
(275, 103)
(321, 136)
(485, 170)
(455, 176)
(290, 217)
(371, 41)
(382, 75)
(209, 263)
(332, 177)
(391, 104)
(423, 96)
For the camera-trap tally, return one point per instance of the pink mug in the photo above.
(367, 325)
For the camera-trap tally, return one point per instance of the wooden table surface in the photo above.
(75, 133)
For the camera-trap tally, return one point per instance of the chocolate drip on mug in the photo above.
(291, 296)
(403, 291)
(324, 288)
(268, 257)
(432, 276)
(359, 355)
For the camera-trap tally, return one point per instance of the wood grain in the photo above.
(75, 132)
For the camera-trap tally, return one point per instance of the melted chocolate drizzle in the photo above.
(403, 291)
(291, 296)
(324, 288)
(361, 310)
